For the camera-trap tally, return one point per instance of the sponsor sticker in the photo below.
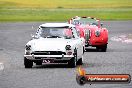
(83, 78)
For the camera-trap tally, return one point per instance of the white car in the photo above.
(55, 43)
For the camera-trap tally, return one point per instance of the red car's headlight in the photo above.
(97, 33)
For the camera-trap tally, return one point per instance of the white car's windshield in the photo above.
(55, 32)
(85, 21)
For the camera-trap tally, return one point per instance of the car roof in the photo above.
(57, 25)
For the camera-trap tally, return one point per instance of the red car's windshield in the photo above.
(85, 21)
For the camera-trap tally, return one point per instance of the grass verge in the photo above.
(62, 10)
(62, 14)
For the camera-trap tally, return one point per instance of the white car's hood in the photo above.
(49, 44)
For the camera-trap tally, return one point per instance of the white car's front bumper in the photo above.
(44, 57)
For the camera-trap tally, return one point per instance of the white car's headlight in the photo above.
(28, 47)
(68, 47)
(97, 33)
(68, 50)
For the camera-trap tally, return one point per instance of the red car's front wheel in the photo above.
(102, 48)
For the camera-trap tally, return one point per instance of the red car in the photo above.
(91, 29)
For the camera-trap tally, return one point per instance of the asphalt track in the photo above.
(14, 36)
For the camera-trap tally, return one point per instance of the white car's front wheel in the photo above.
(80, 61)
(28, 63)
(73, 62)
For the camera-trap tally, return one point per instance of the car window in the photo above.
(84, 21)
(75, 22)
(55, 33)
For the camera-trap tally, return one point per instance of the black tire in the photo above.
(102, 48)
(73, 62)
(28, 63)
(80, 62)
(83, 50)
(81, 80)
(98, 48)
(39, 63)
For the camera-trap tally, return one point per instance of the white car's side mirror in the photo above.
(32, 35)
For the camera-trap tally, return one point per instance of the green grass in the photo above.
(62, 10)
(62, 15)
(65, 3)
